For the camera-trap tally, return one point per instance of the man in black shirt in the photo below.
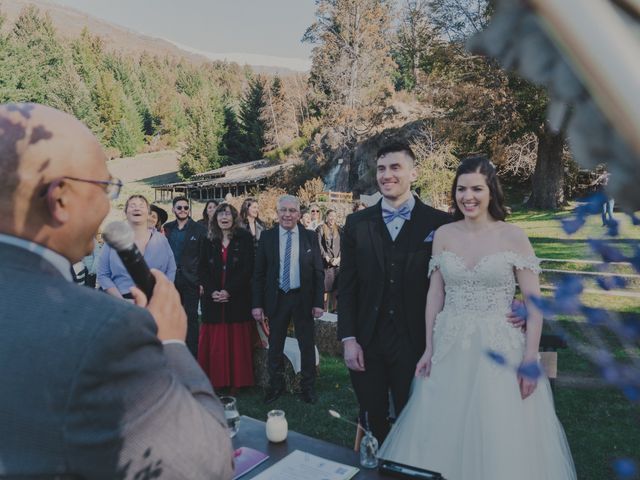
(185, 237)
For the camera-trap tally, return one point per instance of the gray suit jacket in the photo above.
(88, 390)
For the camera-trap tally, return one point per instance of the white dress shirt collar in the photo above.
(409, 203)
(283, 231)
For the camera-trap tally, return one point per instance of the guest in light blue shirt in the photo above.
(112, 275)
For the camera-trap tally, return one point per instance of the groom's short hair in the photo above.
(396, 146)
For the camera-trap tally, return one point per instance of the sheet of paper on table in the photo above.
(300, 465)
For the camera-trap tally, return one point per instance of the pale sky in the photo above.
(270, 28)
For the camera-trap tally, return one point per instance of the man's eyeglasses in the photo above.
(111, 187)
(315, 211)
(182, 207)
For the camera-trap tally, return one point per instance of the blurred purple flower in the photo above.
(611, 374)
(591, 205)
(625, 468)
(520, 309)
(569, 285)
(567, 295)
(632, 392)
(596, 316)
(544, 305)
(613, 228)
(608, 283)
(635, 260)
(572, 225)
(496, 357)
(603, 357)
(606, 251)
(530, 370)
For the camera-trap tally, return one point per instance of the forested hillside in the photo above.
(215, 112)
(380, 68)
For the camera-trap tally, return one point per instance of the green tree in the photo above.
(352, 66)
(127, 135)
(206, 130)
(488, 107)
(232, 145)
(33, 60)
(414, 38)
(253, 127)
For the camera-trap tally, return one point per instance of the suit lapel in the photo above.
(302, 246)
(276, 250)
(416, 233)
(375, 233)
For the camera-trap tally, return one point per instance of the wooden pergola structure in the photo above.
(215, 184)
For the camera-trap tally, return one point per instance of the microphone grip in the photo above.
(138, 269)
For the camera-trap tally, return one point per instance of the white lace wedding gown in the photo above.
(467, 419)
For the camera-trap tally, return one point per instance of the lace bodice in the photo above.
(478, 296)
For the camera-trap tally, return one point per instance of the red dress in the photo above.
(225, 349)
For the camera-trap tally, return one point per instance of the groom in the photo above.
(383, 288)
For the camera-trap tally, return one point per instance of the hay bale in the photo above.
(261, 372)
(326, 335)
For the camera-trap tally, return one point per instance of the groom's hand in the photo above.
(353, 355)
(514, 316)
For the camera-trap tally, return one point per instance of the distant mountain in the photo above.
(267, 63)
(70, 22)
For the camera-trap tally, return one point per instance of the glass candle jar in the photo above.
(277, 427)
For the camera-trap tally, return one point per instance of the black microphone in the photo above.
(119, 236)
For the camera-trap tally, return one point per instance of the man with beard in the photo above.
(185, 237)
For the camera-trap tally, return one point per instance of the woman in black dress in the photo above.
(227, 331)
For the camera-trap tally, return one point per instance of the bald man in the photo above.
(92, 386)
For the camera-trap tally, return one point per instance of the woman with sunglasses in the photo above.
(316, 216)
(112, 275)
(226, 266)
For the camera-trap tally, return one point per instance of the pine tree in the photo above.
(231, 147)
(206, 130)
(251, 120)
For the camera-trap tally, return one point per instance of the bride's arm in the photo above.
(529, 282)
(435, 303)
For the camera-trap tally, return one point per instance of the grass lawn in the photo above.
(550, 241)
(600, 423)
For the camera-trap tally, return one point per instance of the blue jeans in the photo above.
(607, 210)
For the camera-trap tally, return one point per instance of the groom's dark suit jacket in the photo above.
(88, 390)
(362, 272)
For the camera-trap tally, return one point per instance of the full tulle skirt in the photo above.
(468, 421)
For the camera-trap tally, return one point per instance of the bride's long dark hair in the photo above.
(481, 164)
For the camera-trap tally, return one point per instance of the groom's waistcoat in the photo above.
(391, 318)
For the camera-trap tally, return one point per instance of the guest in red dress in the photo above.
(227, 331)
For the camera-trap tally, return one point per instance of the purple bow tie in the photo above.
(404, 212)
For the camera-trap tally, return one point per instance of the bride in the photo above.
(469, 417)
